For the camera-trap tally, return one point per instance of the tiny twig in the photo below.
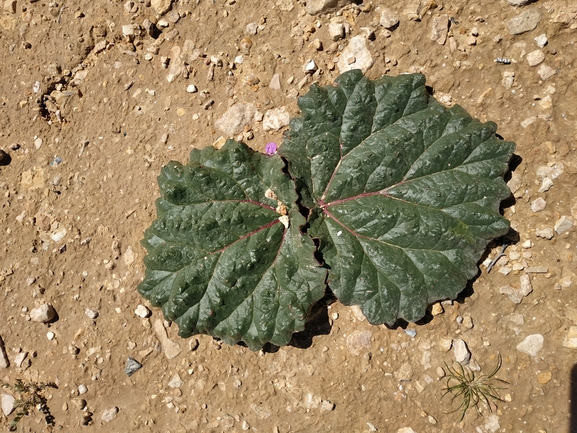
(501, 254)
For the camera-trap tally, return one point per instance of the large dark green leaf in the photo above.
(221, 259)
(404, 192)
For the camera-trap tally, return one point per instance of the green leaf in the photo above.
(404, 192)
(226, 256)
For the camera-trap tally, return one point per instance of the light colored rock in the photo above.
(535, 57)
(236, 118)
(440, 29)
(563, 224)
(356, 56)
(176, 64)
(531, 345)
(538, 205)
(541, 40)
(275, 82)
(315, 7)
(275, 119)
(4, 361)
(336, 31)
(406, 430)
(43, 314)
(546, 72)
(82, 389)
(445, 344)
(537, 269)
(359, 342)
(129, 256)
(526, 286)
(524, 22)
(176, 381)
(10, 6)
(518, 2)
(570, 340)
(170, 348)
(91, 313)
(492, 425)
(544, 232)
(8, 404)
(109, 414)
(389, 19)
(142, 311)
(546, 185)
(508, 79)
(161, 6)
(357, 313)
(405, 372)
(19, 359)
(461, 351)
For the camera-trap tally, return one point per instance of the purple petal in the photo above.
(271, 148)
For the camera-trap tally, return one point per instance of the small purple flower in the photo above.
(271, 148)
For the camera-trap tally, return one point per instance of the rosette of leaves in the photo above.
(400, 193)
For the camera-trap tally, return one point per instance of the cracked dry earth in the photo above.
(98, 96)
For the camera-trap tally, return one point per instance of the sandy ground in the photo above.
(88, 118)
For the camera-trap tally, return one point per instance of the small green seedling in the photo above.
(473, 390)
(30, 395)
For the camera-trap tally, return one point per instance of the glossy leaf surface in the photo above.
(226, 256)
(404, 192)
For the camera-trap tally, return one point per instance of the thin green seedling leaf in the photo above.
(471, 389)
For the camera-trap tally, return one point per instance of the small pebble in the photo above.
(8, 404)
(563, 224)
(50, 335)
(142, 311)
(109, 414)
(42, 314)
(538, 205)
(461, 351)
(82, 389)
(570, 340)
(545, 233)
(531, 345)
(191, 88)
(541, 40)
(535, 57)
(91, 313)
(132, 366)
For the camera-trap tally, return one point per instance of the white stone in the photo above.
(526, 286)
(405, 372)
(389, 19)
(538, 205)
(91, 313)
(235, 118)
(570, 340)
(315, 7)
(129, 256)
(406, 430)
(142, 311)
(161, 6)
(461, 351)
(563, 224)
(109, 414)
(492, 425)
(546, 185)
(508, 79)
(531, 345)
(191, 88)
(535, 57)
(541, 40)
(170, 348)
(275, 119)
(358, 52)
(82, 389)
(546, 72)
(176, 64)
(42, 314)
(518, 2)
(544, 232)
(336, 31)
(50, 335)
(439, 29)
(8, 404)
(19, 359)
(524, 22)
(176, 381)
